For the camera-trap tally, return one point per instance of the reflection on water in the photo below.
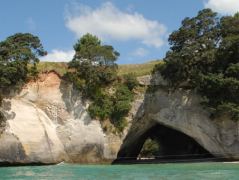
(179, 171)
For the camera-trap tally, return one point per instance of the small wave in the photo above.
(61, 163)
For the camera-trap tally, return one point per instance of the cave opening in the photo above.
(163, 143)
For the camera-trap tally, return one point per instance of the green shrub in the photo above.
(130, 81)
(101, 107)
(122, 104)
(230, 108)
(119, 124)
(77, 82)
(112, 106)
(150, 148)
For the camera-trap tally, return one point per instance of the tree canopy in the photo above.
(204, 56)
(16, 53)
(94, 63)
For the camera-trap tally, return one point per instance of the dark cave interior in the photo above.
(172, 145)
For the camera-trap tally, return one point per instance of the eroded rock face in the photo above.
(48, 123)
(181, 110)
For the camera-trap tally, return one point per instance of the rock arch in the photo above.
(174, 145)
(181, 112)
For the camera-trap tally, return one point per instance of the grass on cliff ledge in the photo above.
(59, 67)
(136, 69)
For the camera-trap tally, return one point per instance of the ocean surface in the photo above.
(177, 171)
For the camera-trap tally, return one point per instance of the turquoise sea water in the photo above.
(179, 171)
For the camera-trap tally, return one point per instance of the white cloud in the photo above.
(223, 6)
(140, 52)
(110, 23)
(58, 56)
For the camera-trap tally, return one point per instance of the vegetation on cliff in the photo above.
(151, 148)
(94, 72)
(123, 69)
(18, 59)
(204, 56)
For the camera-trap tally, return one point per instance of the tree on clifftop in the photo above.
(93, 63)
(94, 72)
(17, 52)
(193, 48)
(204, 56)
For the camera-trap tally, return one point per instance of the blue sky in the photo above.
(138, 29)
